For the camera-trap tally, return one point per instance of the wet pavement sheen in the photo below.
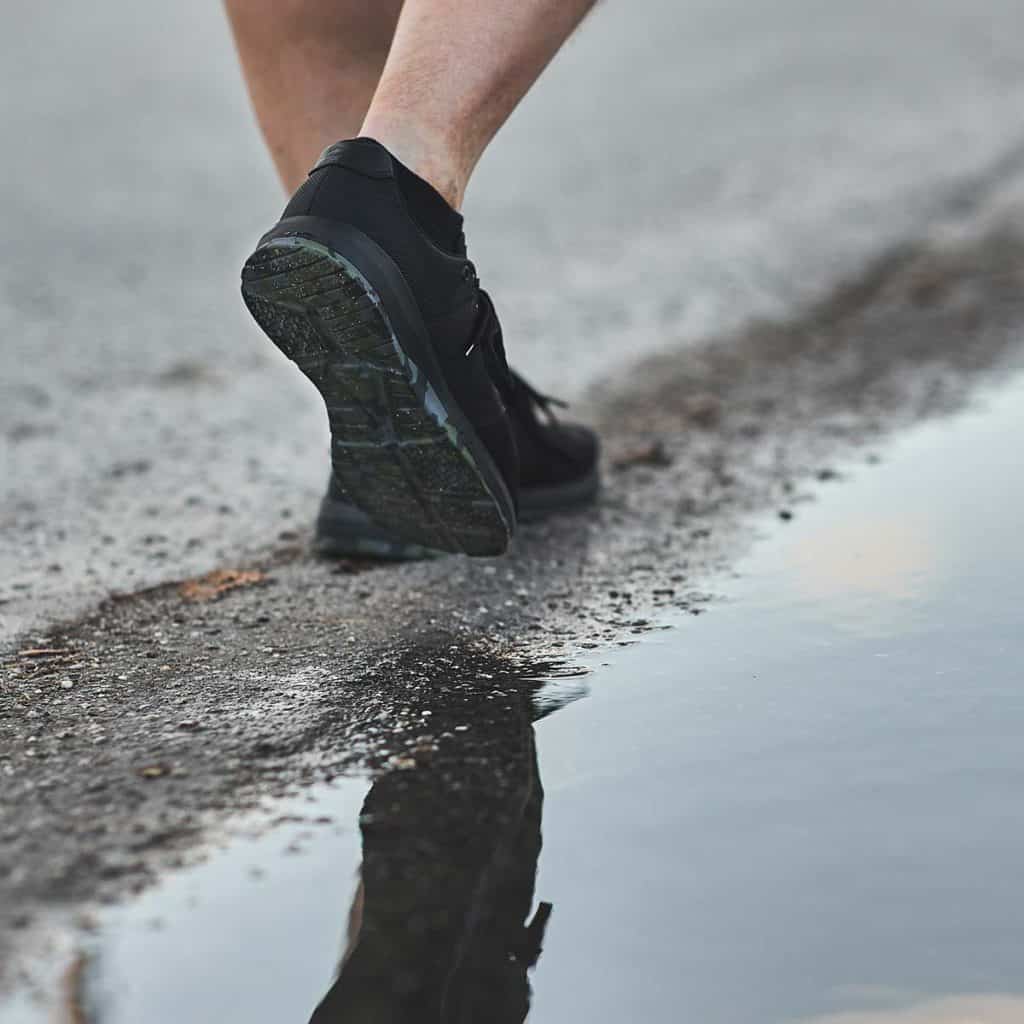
(803, 806)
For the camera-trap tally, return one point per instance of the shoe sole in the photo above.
(400, 446)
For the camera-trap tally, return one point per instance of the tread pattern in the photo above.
(394, 449)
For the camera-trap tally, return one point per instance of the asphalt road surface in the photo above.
(843, 177)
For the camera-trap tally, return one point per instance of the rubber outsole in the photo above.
(400, 448)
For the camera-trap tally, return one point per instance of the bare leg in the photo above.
(456, 70)
(312, 67)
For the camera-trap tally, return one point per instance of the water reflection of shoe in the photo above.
(557, 473)
(438, 930)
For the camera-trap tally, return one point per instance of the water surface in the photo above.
(803, 806)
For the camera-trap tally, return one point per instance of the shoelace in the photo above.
(537, 399)
(512, 387)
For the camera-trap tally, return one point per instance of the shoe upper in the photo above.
(551, 453)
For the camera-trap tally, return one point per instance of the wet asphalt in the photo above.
(748, 245)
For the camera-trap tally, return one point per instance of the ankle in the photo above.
(428, 153)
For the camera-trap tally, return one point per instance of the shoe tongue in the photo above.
(431, 211)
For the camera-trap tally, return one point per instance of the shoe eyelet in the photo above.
(468, 273)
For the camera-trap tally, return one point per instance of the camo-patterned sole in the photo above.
(400, 454)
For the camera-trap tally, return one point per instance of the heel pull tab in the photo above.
(364, 156)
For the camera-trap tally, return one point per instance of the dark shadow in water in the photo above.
(442, 926)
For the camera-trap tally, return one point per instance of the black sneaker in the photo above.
(558, 473)
(364, 283)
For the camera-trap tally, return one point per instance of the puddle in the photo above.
(808, 801)
(804, 806)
